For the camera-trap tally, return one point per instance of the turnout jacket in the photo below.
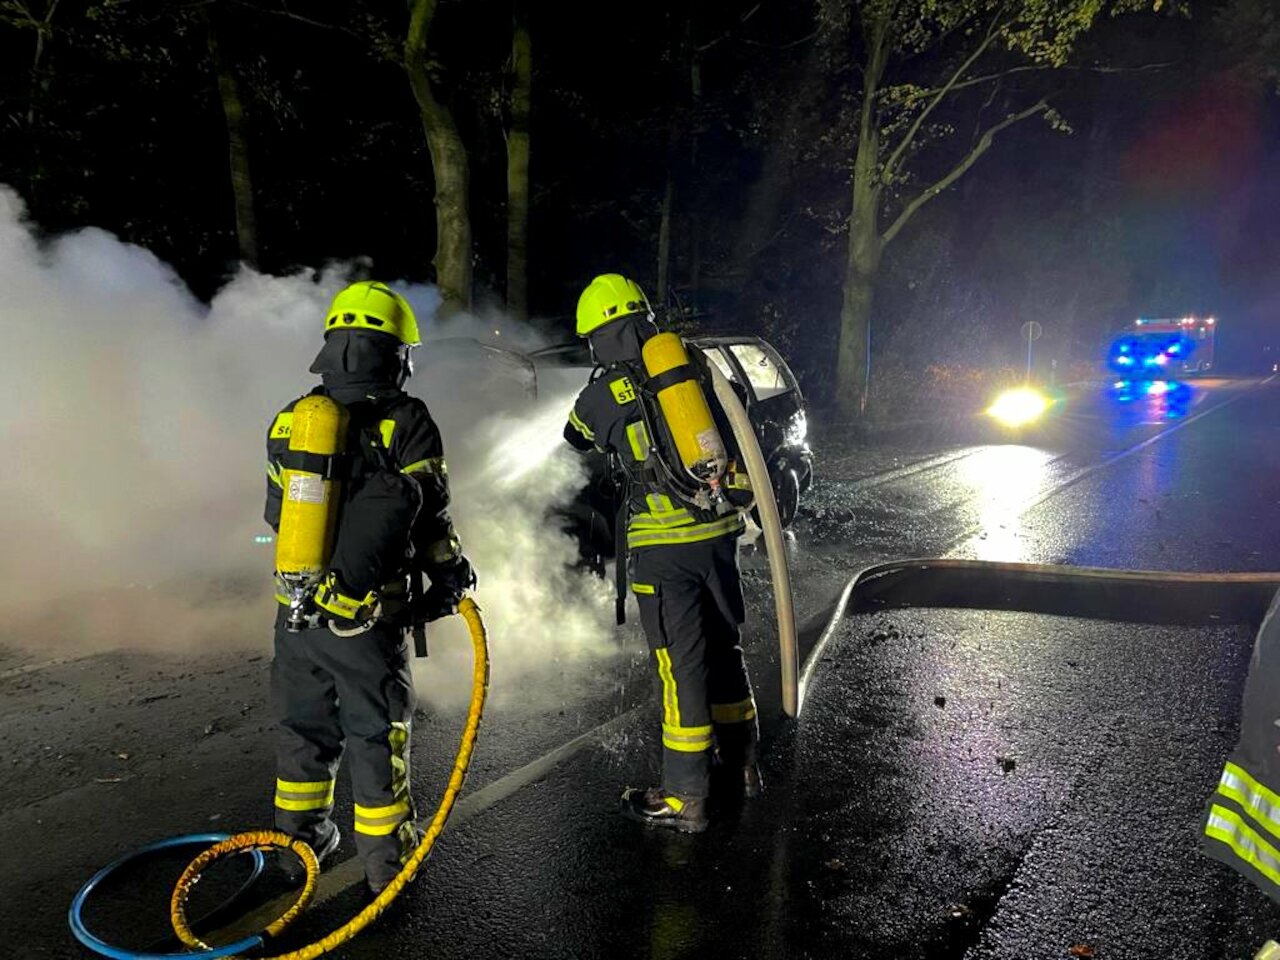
(607, 417)
(395, 494)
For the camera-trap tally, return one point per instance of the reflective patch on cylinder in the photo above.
(306, 488)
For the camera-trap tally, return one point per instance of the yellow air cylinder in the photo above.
(685, 409)
(309, 510)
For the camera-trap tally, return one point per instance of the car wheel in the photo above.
(786, 491)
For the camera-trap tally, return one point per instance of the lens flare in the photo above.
(1019, 407)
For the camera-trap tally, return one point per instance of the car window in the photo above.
(722, 362)
(767, 379)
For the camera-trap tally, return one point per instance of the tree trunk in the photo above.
(518, 172)
(664, 240)
(853, 363)
(241, 180)
(449, 168)
(853, 356)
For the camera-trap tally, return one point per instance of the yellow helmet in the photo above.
(369, 305)
(609, 297)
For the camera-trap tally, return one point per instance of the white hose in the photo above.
(767, 508)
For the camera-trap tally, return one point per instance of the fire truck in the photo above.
(1163, 349)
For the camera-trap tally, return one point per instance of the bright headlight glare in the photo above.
(1018, 407)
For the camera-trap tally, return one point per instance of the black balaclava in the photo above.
(355, 364)
(623, 340)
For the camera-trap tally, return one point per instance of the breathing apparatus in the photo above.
(309, 509)
(317, 462)
(687, 450)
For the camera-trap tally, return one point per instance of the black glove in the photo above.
(435, 604)
(449, 582)
(457, 576)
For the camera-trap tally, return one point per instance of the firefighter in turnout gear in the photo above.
(683, 559)
(340, 679)
(1242, 817)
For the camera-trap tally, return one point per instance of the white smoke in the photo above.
(133, 480)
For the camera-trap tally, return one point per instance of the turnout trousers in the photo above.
(1242, 817)
(690, 599)
(331, 694)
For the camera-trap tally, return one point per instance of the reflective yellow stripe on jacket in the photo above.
(638, 537)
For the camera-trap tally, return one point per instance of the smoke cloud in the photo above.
(133, 480)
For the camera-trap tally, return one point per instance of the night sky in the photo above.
(1161, 201)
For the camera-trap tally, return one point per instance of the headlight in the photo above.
(1018, 407)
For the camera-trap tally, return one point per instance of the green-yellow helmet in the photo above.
(369, 305)
(607, 298)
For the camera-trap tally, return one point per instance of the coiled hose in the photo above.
(257, 841)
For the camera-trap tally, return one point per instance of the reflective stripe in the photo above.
(638, 437)
(398, 738)
(1227, 826)
(302, 796)
(650, 521)
(330, 600)
(282, 427)
(686, 739)
(670, 702)
(739, 712)
(662, 514)
(576, 422)
(385, 429)
(432, 465)
(675, 803)
(1261, 804)
(385, 820)
(645, 588)
(381, 821)
(274, 474)
(689, 534)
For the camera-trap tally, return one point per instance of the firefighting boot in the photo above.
(656, 808)
(735, 772)
(324, 849)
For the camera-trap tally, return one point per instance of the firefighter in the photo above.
(1242, 816)
(343, 683)
(684, 574)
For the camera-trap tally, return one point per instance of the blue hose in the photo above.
(117, 953)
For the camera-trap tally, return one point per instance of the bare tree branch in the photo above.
(900, 150)
(1035, 68)
(703, 48)
(959, 170)
(288, 14)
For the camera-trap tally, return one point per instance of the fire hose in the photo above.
(255, 842)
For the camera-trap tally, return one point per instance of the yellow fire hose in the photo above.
(270, 839)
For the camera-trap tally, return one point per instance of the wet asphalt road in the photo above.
(962, 784)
